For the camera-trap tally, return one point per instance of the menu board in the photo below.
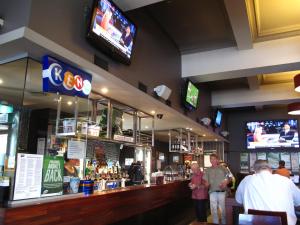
(286, 157)
(28, 176)
(53, 171)
(273, 159)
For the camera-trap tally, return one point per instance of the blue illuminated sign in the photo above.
(65, 79)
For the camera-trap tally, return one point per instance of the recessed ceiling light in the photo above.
(146, 127)
(152, 112)
(69, 103)
(216, 139)
(104, 90)
(204, 135)
(1, 81)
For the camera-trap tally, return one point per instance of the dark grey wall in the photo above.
(156, 60)
(236, 122)
(15, 14)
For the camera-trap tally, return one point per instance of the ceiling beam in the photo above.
(265, 95)
(265, 57)
(237, 12)
(127, 5)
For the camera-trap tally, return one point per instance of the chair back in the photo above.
(282, 215)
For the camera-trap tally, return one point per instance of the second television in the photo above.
(111, 31)
(272, 134)
(190, 95)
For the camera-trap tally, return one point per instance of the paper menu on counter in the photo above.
(28, 176)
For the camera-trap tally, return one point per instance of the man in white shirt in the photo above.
(266, 191)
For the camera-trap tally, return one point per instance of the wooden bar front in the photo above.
(100, 208)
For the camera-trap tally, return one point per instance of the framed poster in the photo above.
(244, 161)
(273, 159)
(262, 155)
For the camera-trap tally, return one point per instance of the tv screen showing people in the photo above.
(272, 134)
(110, 23)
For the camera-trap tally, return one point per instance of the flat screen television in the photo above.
(111, 31)
(190, 95)
(272, 134)
(218, 118)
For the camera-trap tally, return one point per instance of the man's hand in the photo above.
(224, 183)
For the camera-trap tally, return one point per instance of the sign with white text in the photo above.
(65, 79)
(53, 171)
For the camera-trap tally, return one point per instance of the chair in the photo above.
(282, 215)
(248, 219)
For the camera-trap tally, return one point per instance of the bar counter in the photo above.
(104, 207)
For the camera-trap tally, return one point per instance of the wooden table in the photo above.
(247, 219)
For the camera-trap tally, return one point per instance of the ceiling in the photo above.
(186, 23)
(236, 36)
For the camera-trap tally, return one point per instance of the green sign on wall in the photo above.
(53, 170)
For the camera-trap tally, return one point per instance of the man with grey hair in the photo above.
(266, 191)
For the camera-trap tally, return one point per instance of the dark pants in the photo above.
(200, 206)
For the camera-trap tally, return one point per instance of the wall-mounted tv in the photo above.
(111, 31)
(218, 118)
(190, 95)
(272, 134)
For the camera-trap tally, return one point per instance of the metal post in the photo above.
(135, 127)
(180, 139)
(109, 120)
(189, 140)
(152, 131)
(170, 141)
(58, 113)
(76, 113)
(139, 130)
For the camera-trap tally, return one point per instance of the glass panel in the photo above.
(123, 122)
(12, 79)
(144, 129)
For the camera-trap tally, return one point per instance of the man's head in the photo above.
(195, 167)
(260, 165)
(281, 164)
(128, 30)
(286, 127)
(214, 159)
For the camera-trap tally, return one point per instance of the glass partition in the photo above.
(48, 140)
(12, 80)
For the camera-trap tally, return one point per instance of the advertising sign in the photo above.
(65, 79)
(53, 172)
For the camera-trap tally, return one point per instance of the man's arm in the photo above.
(296, 193)
(239, 194)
